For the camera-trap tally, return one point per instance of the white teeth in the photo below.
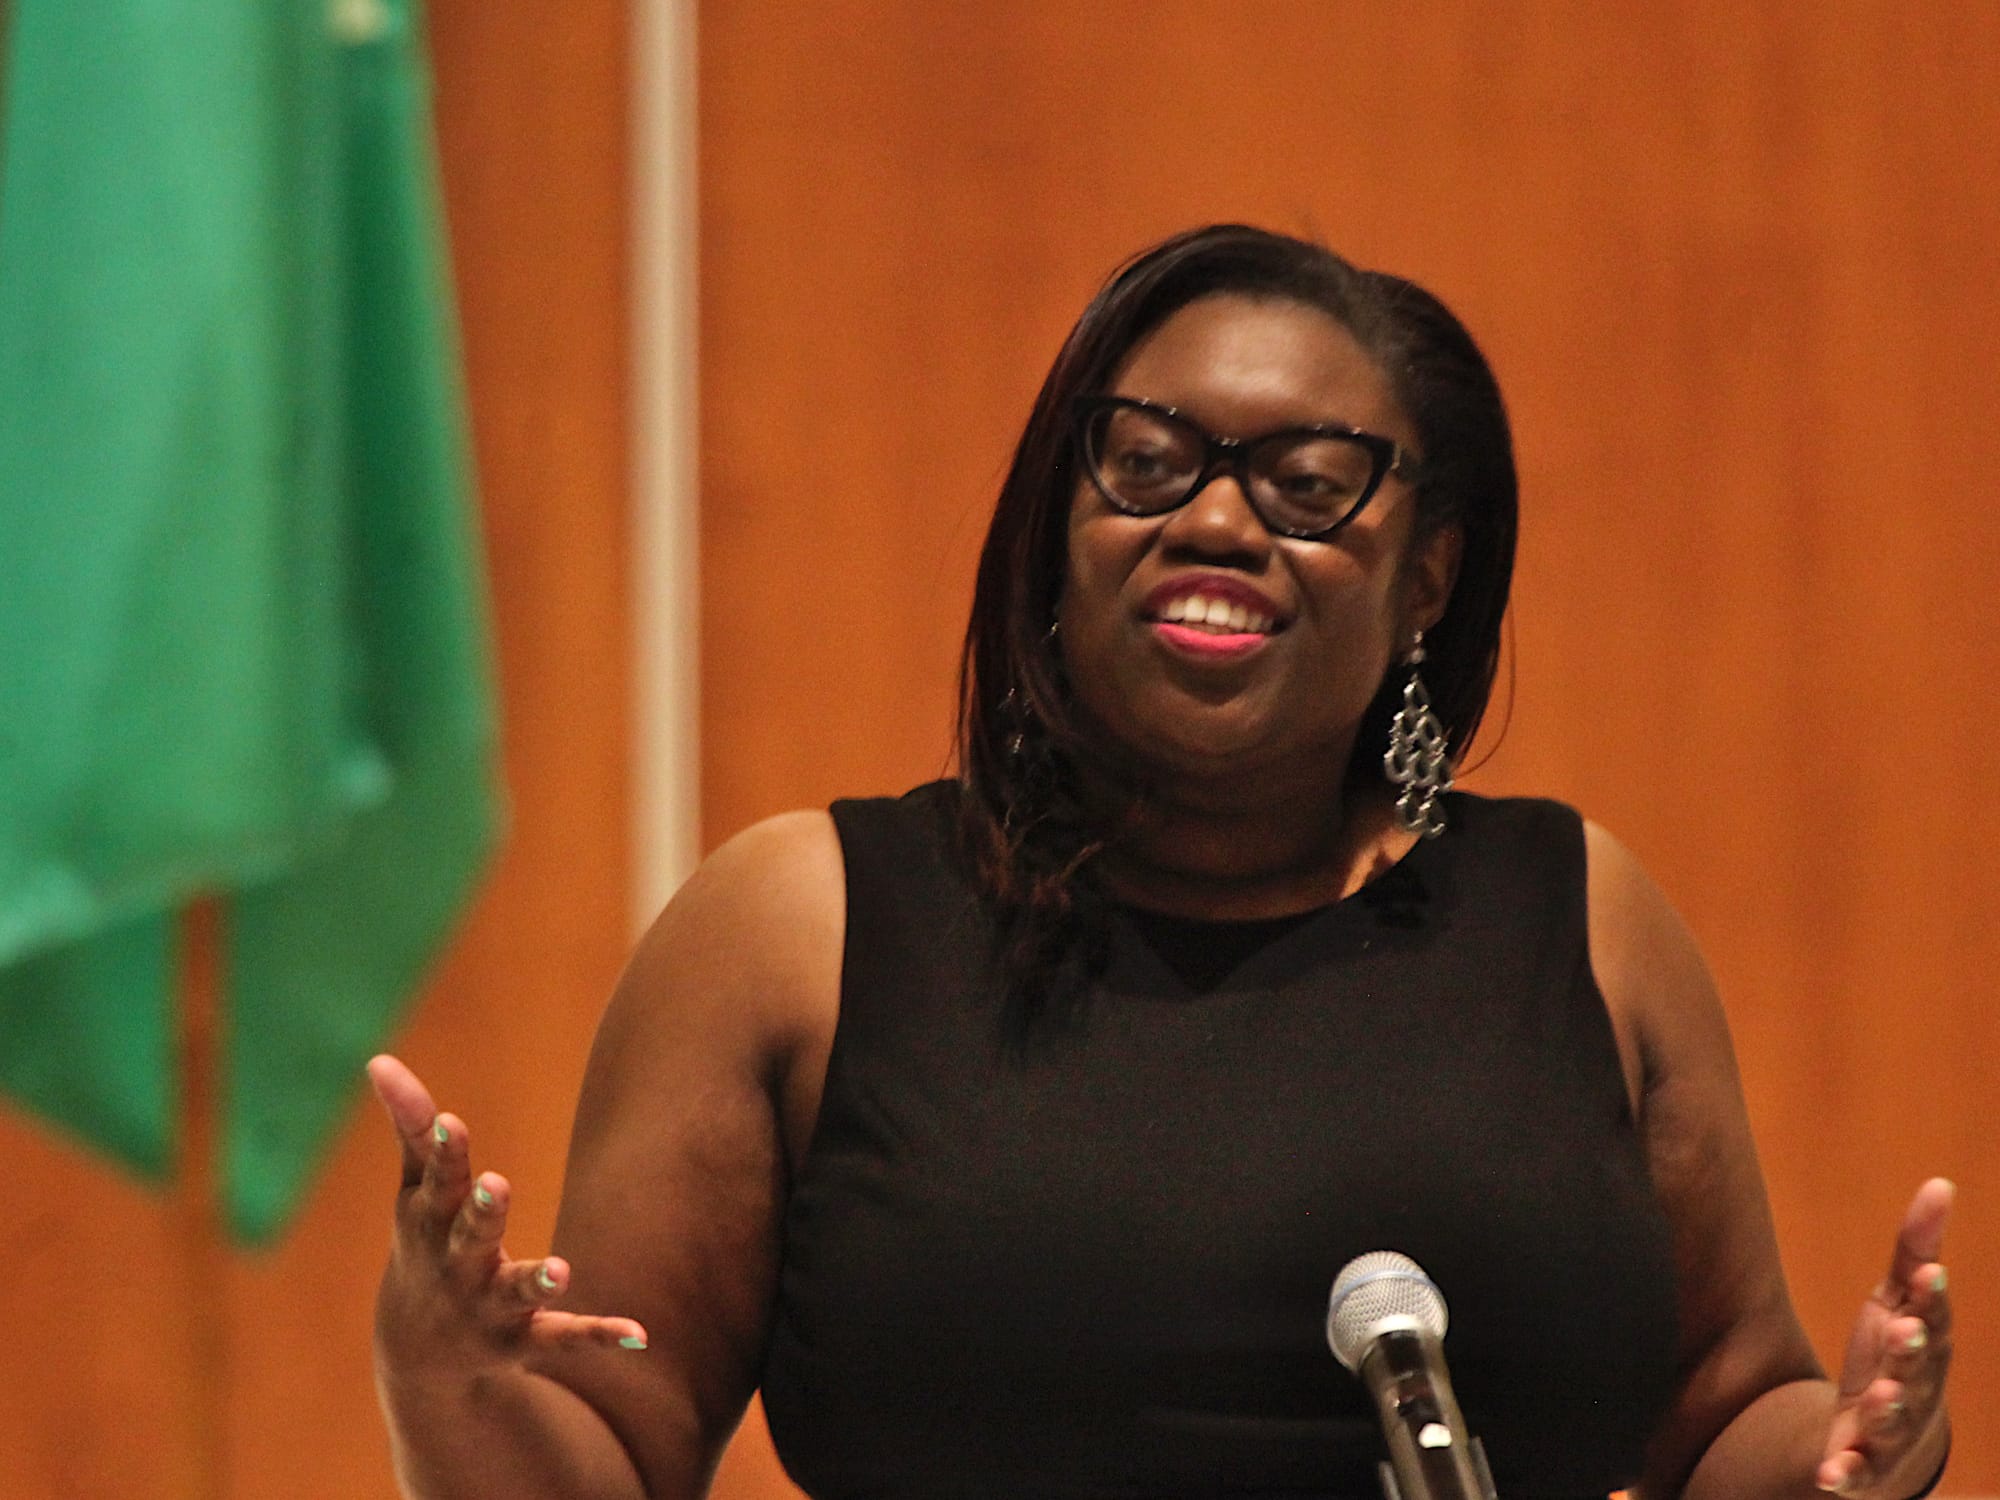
(1218, 614)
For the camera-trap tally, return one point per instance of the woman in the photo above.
(1009, 1133)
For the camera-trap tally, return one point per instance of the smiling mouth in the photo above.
(1216, 617)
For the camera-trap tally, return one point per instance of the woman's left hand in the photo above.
(1890, 1422)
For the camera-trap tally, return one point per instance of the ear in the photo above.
(1431, 574)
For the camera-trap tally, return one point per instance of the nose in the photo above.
(1218, 522)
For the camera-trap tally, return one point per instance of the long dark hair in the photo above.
(1022, 747)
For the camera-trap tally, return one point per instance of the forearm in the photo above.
(1773, 1450)
(504, 1433)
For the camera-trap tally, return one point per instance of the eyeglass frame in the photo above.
(1232, 454)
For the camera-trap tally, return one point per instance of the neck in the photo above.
(1236, 851)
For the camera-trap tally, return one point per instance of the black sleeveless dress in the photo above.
(1097, 1265)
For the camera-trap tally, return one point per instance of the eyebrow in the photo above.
(1320, 424)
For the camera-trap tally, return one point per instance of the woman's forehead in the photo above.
(1230, 358)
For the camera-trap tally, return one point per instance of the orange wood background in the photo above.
(1735, 264)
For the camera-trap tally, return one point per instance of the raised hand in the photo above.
(1891, 1412)
(452, 1300)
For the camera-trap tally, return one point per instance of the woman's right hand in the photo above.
(452, 1302)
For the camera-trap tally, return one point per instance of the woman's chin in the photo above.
(1210, 746)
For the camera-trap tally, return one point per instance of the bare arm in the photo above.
(714, 1041)
(1753, 1415)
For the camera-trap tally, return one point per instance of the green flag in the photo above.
(242, 634)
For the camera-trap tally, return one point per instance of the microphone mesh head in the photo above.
(1376, 1292)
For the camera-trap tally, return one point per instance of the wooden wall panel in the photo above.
(98, 1327)
(1734, 262)
(142, 1360)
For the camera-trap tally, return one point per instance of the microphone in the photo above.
(1386, 1322)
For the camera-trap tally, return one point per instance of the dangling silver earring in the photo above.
(1014, 719)
(1416, 760)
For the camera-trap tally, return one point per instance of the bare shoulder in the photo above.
(1639, 945)
(703, 1077)
(1663, 1003)
(753, 938)
(1655, 982)
(738, 978)
(1739, 1335)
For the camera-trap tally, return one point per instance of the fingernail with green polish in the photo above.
(544, 1280)
(1917, 1340)
(482, 1195)
(1939, 1281)
(439, 1133)
(631, 1341)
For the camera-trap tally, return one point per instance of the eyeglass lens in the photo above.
(1149, 462)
